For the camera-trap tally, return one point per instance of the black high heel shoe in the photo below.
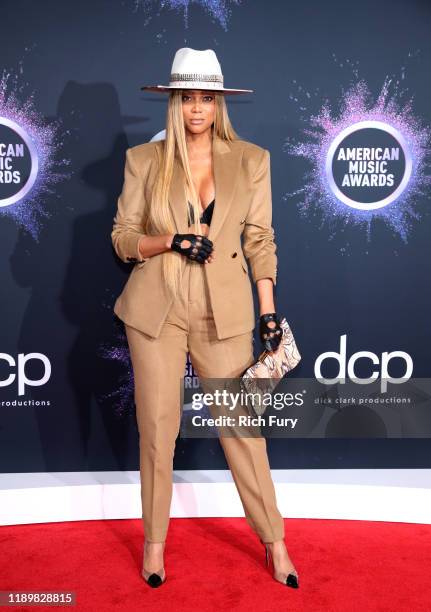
(153, 579)
(291, 580)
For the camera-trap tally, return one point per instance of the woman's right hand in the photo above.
(194, 246)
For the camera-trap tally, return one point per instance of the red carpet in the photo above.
(218, 564)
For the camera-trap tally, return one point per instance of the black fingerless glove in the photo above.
(199, 250)
(270, 335)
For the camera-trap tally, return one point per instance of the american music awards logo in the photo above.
(18, 162)
(369, 159)
(368, 165)
(30, 156)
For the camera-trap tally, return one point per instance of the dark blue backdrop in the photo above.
(85, 62)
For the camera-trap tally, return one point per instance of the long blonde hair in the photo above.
(159, 219)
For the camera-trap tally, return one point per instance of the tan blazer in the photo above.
(243, 208)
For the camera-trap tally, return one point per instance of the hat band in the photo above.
(187, 76)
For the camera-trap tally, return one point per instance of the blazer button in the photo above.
(234, 254)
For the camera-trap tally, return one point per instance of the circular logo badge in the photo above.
(368, 165)
(18, 162)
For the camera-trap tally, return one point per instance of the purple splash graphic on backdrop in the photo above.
(356, 106)
(219, 10)
(121, 395)
(47, 140)
(123, 392)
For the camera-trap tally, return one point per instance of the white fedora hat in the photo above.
(194, 69)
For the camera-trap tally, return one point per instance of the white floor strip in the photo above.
(401, 495)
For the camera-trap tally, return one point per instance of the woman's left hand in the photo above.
(270, 331)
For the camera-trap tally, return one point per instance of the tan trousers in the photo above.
(158, 366)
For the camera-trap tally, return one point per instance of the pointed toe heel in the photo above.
(155, 579)
(292, 579)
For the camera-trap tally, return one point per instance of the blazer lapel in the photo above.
(226, 166)
(177, 197)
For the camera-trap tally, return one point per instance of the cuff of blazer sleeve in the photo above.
(130, 247)
(271, 276)
(264, 271)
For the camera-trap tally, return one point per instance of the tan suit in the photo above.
(243, 207)
(212, 319)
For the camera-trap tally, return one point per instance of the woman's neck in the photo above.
(199, 145)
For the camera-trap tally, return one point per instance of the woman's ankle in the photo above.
(149, 543)
(153, 555)
(276, 544)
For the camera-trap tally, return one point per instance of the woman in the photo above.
(185, 203)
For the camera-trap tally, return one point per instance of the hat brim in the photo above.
(167, 88)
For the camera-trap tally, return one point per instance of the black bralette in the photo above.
(206, 216)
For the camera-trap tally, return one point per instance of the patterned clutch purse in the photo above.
(271, 366)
